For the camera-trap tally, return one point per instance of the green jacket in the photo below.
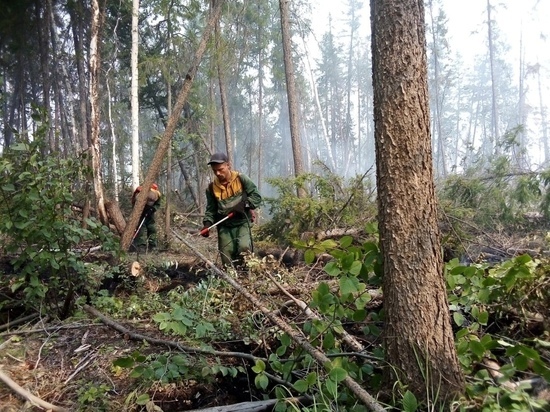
(222, 199)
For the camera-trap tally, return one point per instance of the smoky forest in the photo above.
(274, 205)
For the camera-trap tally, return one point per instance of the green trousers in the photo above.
(232, 241)
(147, 235)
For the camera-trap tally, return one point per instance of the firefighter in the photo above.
(147, 231)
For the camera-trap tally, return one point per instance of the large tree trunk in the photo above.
(417, 335)
(291, 93)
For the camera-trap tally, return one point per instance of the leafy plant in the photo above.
(331, 203)
(40, 228)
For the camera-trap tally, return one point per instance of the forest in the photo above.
(401, 250)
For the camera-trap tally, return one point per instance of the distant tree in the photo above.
(134, 95)
(95, 65)
(418, 337)
(291, 92)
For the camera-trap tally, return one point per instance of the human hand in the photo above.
(205, 231)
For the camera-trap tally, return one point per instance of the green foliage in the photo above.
(40, 229)
(171, 367)
(498, 197)
(93, 395)
(477, 293)
(331, 203)
(354, 266)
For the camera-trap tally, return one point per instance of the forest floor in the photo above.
(69, 363)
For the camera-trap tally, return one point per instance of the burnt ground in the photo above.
(64, 362)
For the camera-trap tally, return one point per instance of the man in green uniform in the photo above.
(147, 231)
(235, 194)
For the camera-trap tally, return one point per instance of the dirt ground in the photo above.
(65, 362)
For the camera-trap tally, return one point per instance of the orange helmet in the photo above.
(154, 186)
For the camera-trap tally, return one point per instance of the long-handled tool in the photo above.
(139, 227)
(205, 230)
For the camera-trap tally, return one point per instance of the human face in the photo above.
(222, 171)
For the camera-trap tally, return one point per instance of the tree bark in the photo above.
(291, 93)
(94, 112)
(418, 337)
(223, 95)
(134, 95)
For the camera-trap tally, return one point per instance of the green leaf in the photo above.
(349, 284)
(259, 366)
(311, 378)
(346, 242)
(328, 341)
(309, 256)
(285, 339)
(410, 404)
(142, 399)
(477, 348)
(458, 318)
(530, 352)
(483, 317)
(332, 269)
(329, 244)
(338, 374)
(124, 362)
(523, 259)
(261, 381)
(521, 362)
(355, 268)
(301, 386)
(163, 316)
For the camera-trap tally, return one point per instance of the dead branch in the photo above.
(318, 355)
(128, 334)
(248, 406)
(29, 396)
(349, 339)
(15, 322)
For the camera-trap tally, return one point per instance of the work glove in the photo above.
(204, 231)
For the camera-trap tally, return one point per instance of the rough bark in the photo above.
(115, 216)
(418, 337)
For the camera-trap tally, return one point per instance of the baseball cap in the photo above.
(218, 158)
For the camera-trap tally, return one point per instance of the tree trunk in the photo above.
(134, 95)
(168, 191)
(494, 107)
(417, 335)
(291, 93)
(77, 16)
(223, 98)
(94, 112)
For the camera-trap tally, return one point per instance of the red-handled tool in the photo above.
(230, 215)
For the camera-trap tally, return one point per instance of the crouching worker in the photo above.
(235, 195)
(146, 235)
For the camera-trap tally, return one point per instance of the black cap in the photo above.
(218, 158)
